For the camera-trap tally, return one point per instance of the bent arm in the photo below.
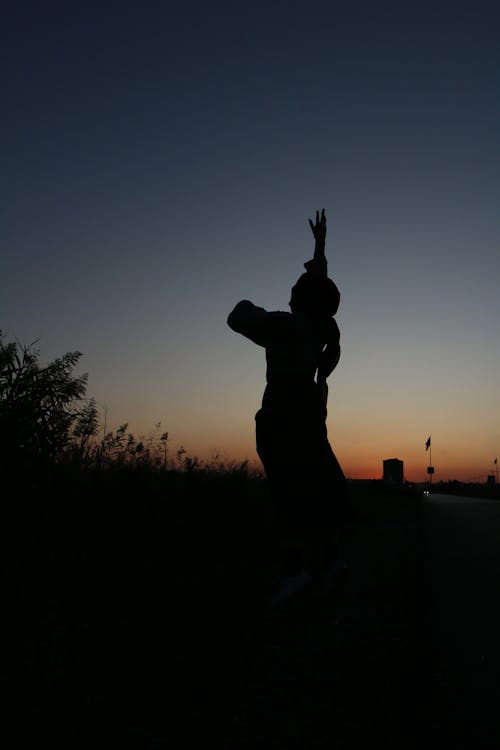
(328, 362)
(249, 320)
(329, 357)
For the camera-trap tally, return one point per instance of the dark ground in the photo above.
(144, 623)
(462, 569)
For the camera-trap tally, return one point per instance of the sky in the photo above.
(160, 162)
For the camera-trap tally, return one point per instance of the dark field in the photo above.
(139, 617)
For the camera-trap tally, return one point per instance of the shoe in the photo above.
(334, 578)
(289, 586)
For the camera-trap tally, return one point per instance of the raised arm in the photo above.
(318, 265)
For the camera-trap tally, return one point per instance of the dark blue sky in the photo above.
(160, 161)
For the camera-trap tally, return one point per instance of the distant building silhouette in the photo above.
(393, 471)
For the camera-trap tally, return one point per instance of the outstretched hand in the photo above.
(318, 264)
(319, 228)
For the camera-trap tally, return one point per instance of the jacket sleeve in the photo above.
(251, 321)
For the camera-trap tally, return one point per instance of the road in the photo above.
(461, 552)
(406, 658)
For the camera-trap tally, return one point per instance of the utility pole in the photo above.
(430, 468)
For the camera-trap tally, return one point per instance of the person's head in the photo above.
(315, 295)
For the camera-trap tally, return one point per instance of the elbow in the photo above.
(234, 317)
(230, 320)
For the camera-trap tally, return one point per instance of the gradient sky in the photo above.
(160, 162)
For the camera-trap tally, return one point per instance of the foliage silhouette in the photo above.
(49, 436)
(43, 409)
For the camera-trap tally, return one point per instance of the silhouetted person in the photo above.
(307, 485)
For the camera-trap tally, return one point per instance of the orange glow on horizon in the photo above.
(360, 447)
(371, 467)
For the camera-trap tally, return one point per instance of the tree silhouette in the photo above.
(43, 409)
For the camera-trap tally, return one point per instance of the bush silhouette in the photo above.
(44, 411)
